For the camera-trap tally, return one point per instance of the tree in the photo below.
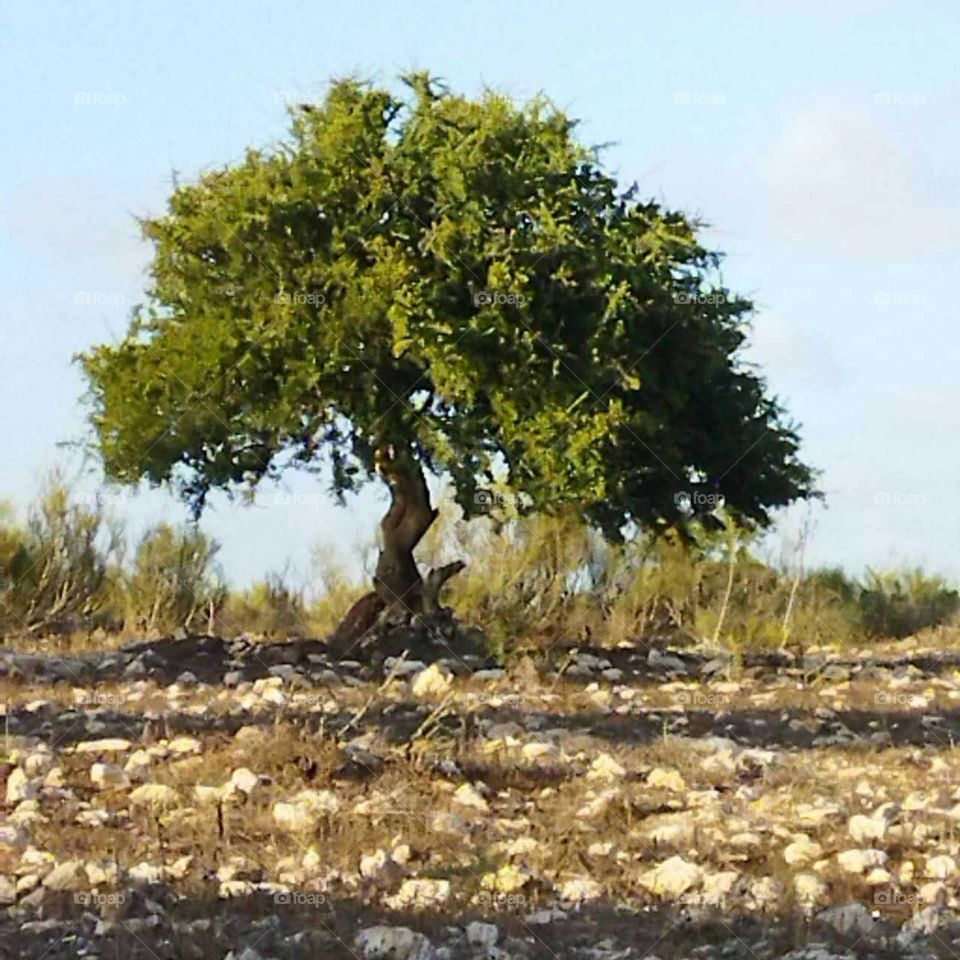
(427, 282)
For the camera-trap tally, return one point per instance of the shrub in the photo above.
(54, 568)
(899, 604)
(174, 583)
(269, 608)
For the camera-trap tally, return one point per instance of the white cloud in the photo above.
(843, 185)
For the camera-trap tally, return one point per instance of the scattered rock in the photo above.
(393, 943)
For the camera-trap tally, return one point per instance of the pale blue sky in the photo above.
(819, 138)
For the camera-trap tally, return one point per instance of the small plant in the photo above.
(54, 568)
(174, 583)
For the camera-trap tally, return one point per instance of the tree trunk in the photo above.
(399, 591)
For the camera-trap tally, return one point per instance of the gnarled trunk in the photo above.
(399, 589)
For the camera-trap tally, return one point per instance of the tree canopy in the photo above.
(461, 281)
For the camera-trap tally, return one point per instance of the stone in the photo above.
(580, 889)
(185, 745)
(65, 876)
(802, 851)
(244, 780)
(20, 787)
(108, 745)
(467, 795)
(606, 768)
(940, 867)
(109, 776)
(666, 779)
(8, 891)
(372, 864)
(672, 877)
(848, 919)
(157, 796)
(419, 894)
(866, 829)
(718, 886)
(858, 861)
(482, 935)
(809, 888)
(431, 683)
(393, 943)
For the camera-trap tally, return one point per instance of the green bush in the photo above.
(269, 608)
(54, 568)
(174, 583)
(900, 604)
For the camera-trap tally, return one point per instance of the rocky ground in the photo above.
(207, 798)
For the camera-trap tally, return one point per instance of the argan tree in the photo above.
(428, 282)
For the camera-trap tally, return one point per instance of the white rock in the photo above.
(145, 873)
(295, 817)
(606, 768)
(941, 867)
(20, 787)
(185, 745)
(467, 795)
(717, 886)
(802, 851)
(483, 935)
(65, 876)
(138, 764)
(672, 877)
(866, 829)
(579, 889)
(809, 888)
(848, 919)
(419, 894)
(109, 776)
(666, 779)
(8, 892)
(244, 780)
(108, 745)
(537, 750)
(435, 681)
(858, 861)
(156, 795)
(372, 864)
(393, 943)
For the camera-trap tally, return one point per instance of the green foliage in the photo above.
(900, 604)
(174, 583)
(459, 278)
(54, 568)
(270, 608)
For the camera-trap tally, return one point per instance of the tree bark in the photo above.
(399, 590)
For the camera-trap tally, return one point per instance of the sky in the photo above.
(818, 139)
